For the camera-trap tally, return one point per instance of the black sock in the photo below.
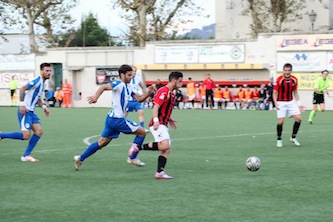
(161, 163)
(146, 146)
(295, 129)
(279, 131)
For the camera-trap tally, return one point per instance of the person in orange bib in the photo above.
(226, 97)
(67, 93)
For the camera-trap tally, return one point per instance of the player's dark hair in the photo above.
(124, 68)
(288, 65)
(44, 65)
(322, 72)
(175, 75)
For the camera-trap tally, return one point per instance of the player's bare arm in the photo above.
(145, 95)
(275, 95)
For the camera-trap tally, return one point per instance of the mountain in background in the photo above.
(207, 32)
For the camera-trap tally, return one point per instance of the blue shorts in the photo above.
(114, 126)
(134, 106)
(27, 119)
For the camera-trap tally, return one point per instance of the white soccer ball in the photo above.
(253, 163)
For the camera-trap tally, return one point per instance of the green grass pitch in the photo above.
(207, 160)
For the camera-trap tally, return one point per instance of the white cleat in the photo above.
(29, 159)
(77, 162)
(135, 162)
(294, 141)
(279, 143)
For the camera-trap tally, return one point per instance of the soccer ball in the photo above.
(253, 163)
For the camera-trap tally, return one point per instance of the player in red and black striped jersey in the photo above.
(286, 99)
(164, 101)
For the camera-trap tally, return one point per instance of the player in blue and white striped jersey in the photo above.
(30, 96)
(116, 121)
(134, 105)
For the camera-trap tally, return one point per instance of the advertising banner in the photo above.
(304, 42)
(17, 62)
(200, 54)
(22, 78)
(302, 61)
(106, 75)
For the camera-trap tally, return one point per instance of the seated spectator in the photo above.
(248, 97)
(263, 98)
(255, 97)
(226, 97)
(49, 97)
(218, 93)
(240, 98)
(179, 98)
(58, 96)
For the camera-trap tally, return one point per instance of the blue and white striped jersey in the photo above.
(34, 92)
(135, 82)
(121, 93)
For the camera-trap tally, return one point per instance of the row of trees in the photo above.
(148, 20)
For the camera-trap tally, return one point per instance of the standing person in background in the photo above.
(269, 88)
(30, 96)
(13, 84)
(210, 86)
(158, 84)
(163, 106)
(286, 99)
(320, 88)
(190, 92)
(202, 94)
(49, 97)
(58, 96)
(133, 105)
(67, 94)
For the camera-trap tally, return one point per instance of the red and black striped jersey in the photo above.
(166, 100)
(285, 87)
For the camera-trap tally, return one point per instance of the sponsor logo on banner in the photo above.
(302, 62)
(304, 42)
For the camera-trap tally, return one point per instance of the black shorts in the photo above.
(318, 98)
(12, 92)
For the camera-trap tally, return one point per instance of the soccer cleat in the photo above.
(134, 149)
(162, 175)
(294, 141)
(136, 162)
(279, 143)
(77, 162)
(29, 159)
(147, 131)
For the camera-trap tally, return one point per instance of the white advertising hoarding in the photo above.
(200, 54)
(221, 54)
(17, 62)
(302, 61)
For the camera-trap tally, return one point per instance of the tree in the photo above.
(273, 15)
(89, 34)
(149, 20)
(39, 15)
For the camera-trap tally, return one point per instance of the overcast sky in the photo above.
(109, 19)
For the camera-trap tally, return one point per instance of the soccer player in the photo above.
(286, 99)
(134, 105)
(210, 86)
(320, 87)
(30, 96)
(116, 122)
(163, 105)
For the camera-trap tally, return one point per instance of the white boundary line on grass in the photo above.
(86, 140)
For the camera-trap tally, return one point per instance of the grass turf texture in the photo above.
(211, 182)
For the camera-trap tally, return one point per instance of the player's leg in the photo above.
(281, 114)
(107, 135)
(38, 132)
(314, 108)
(296, 114)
